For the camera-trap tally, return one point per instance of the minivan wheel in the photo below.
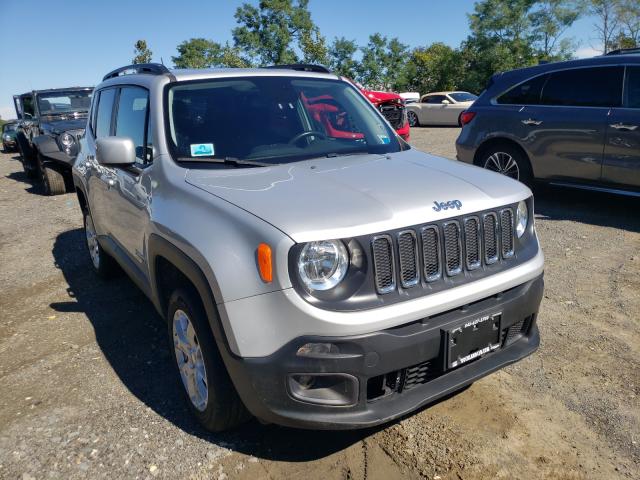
(413, 119)
(209, 392)
(507, 161)
(103, 264)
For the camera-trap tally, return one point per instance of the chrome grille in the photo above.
(472, 242)
(442, 249)
(383, 263)
(452, 248)
(506, 232)
(407, 255)
(431, 253)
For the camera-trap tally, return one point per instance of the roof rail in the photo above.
(624, 51)
(302, 67)
(147, 68)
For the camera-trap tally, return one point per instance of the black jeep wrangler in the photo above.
(51, 123)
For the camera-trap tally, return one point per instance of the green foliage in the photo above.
(436, 67)
(278, 32)
(382, 62)
(203, 53)
(341, 57)
(142, 52)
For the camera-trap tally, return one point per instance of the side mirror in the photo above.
(446, 102)
(115, 151)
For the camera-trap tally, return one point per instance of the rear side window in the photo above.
(633, 87)
(103, 117)
(584, 87)
(435, 99)
(131, 119)
(527, 93)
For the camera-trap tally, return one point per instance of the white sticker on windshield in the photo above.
(202, 150)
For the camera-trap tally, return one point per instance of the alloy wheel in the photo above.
(413, 119)
(92, 242)
(503, 163)
(190, 360)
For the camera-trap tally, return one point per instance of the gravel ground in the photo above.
(86, 389)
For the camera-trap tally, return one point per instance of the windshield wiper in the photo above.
(232, 161)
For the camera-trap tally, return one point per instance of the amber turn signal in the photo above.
(264, 263)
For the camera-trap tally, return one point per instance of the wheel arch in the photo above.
(499, 141)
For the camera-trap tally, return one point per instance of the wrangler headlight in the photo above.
(67, 140)
(522, 217)
(323, 265)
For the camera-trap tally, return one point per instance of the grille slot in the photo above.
(490, 237)
(418, 375)
(472, 242)
(407, 255)
(431, 253)
(506, 232)
(382, 249)
(452, 248)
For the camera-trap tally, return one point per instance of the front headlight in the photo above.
(7, 137)
(67, 140)
(322, 265)
(522, 217)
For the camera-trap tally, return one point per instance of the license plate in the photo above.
(472, 339)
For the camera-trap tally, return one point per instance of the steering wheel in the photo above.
(311, 133)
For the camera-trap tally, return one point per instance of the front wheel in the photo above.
(52, 180)
(103, 264)
(508, 161)
(413, 119)
(210, 394)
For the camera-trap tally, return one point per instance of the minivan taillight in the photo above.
(466, 117)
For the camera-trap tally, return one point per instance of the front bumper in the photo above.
(412, 352)
(9, 144)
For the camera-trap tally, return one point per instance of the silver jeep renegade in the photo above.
(314, 270)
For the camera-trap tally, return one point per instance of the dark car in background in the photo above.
(574, 123)
(9, 136)
(50, 127)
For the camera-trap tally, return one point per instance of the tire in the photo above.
(103, 264)
(208, 390)
(412, 117)
(27, 165)
(507, 160)
(52, 180)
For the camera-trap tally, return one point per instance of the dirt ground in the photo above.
(86, 389)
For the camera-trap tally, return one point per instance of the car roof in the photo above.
(53, 90)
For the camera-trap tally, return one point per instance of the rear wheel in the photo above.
(210, 394)
(413, 119)
(509, 161)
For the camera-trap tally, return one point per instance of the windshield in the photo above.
(463, 96)
(273, 119)
(64, 102)
(9, 127)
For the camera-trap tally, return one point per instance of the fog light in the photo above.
(317, 349)
(333, 389)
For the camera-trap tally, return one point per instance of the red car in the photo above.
(391, 105)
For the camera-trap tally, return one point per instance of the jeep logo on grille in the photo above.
(447, 205)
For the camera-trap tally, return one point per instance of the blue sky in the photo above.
(75, 42)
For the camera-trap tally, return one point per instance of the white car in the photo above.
(439, 108)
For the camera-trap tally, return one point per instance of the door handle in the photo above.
(622, 126)
(531, 122)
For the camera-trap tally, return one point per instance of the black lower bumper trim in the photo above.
(401, 353)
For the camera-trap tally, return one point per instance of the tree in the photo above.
(278, 32)
(432, 68)
(550, 19)
(142, 52)
(340, 57)
(203, 53)
(629, 18)
(607, 15)
(382, 62)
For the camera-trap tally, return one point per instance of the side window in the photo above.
(584, 87)
(435, 99)
(131, 120)
(632, 88)
(103, 117)
(94, 111)
(527, 93)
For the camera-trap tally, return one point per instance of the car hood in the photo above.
(63, 125)
(348, 196)
(375, 96)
